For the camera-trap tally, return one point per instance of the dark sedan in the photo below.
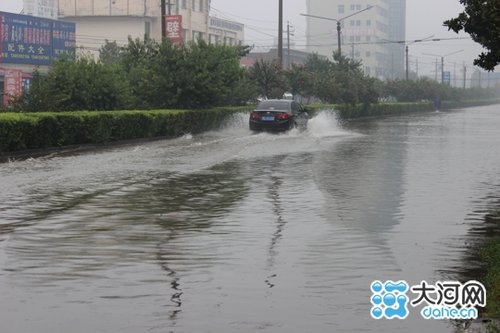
(278, 115)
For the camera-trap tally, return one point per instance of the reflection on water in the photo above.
(275, 185)
(231, 231)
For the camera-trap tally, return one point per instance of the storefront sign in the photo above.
(63, 39)
(13, 85)
(173, 25)
(33, 40)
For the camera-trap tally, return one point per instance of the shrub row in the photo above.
(20, 131)
(490, 257)
(350, 111)
(384, 109)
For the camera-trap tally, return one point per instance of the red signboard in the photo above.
(12, 85)
(173, 24)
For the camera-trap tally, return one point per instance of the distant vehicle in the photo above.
(278, 115)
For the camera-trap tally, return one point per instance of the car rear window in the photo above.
(274, 105)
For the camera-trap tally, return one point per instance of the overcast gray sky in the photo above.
(424, 18)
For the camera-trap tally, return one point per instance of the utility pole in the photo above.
(407, 54)
(164, 5)
(280, 32)
(339, 24)
(437, 69)
(288, 44)
(442, 63)
(392, 66)
(407, 64)
(454, 74)
(442, 70)
(163, 23)
(465, 76)
(339, 38)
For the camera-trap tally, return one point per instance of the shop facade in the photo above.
(30, 43)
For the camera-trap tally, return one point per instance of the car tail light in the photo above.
(283, 116)
(255, 115)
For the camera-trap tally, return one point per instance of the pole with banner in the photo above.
(13, 85)
(173, 27)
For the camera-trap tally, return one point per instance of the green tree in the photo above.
(82, 84)
(298, 80)
(148, 68)
(207, 73)
(36, 99)
(268, 78)
(109, 53)
(481, 20)
(242, 91)
(323, 83)
(354, 86)
(198, 75)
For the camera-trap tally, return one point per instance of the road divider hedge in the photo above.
(350, 111)
(386, 109)
(22, 131)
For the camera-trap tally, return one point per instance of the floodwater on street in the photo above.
(229, 231)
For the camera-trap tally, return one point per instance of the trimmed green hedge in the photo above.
(490, 256)
(385, 109)
(349, 111)
(20, 131)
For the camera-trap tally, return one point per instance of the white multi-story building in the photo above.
(117, 20)
(41, 8)
(225, 32)
(367, 36)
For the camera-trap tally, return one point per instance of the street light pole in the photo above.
(339, 24)
(407, 63)
(407, 56)
(442, 70)
(465, 76)
(339, 31)
(280, 32)
(288, 45)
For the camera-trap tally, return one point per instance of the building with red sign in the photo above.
(117, 20)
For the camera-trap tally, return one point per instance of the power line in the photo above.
(227, 14)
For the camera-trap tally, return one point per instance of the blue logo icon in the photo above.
(389, 300)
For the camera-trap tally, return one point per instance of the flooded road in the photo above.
(229, 231)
